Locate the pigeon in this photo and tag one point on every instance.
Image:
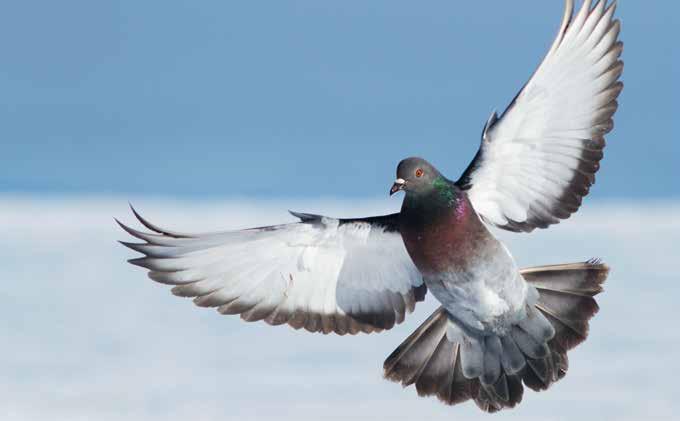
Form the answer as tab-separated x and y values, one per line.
499	328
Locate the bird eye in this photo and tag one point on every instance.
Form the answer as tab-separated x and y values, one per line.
419	172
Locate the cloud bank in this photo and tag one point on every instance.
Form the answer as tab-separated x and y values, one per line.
87	336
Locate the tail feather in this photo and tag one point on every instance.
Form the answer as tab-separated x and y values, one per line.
436	373
435	370
566	297
533	354
415	352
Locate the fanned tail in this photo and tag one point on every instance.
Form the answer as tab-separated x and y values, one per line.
491	370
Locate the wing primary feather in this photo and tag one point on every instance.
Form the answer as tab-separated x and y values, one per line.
156	228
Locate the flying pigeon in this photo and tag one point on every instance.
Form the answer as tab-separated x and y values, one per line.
499	328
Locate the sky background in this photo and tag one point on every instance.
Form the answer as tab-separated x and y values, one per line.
298	98
87	336
221	115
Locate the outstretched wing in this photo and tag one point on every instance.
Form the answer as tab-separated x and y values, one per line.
322	274
538	160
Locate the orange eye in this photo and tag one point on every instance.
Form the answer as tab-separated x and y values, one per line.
419	172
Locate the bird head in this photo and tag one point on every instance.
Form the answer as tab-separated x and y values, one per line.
414	175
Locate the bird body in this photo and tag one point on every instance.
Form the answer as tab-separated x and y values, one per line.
464	266
485	299
499	328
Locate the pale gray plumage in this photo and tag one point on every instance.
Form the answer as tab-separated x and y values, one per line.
538	160
312	275
524	360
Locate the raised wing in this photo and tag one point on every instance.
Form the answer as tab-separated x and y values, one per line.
538	160
322	274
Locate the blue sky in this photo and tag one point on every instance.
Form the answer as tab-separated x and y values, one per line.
298	98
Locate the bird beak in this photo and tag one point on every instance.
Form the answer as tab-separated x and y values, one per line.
398	185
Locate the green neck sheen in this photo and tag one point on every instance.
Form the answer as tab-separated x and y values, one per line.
442	194
444	190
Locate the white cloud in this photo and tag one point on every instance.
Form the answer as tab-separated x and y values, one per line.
88	337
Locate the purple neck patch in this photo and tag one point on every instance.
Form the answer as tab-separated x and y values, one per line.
461	208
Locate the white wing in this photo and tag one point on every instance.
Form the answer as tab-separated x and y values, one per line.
538	161
321	274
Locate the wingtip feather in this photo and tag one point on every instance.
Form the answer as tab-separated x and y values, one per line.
156	228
